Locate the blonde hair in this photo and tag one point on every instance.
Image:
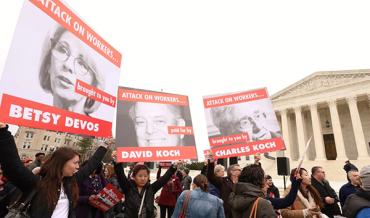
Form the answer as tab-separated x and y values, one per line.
219	168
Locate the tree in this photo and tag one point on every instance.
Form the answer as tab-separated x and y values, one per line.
85	145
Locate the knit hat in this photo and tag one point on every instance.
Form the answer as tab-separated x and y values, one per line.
365	177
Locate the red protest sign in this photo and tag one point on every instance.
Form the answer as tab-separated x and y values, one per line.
107	198
242	123
153	126
69	71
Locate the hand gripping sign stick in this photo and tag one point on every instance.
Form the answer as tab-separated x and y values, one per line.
303	155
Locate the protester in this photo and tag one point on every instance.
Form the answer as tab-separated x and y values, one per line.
169	194
57	186
351	187
224	184
8	194
272	191
308	203
38	160
327	193
247	197
198	202
358	205
110	175
280	203
219	171
348	166
89	189
186	179
139	192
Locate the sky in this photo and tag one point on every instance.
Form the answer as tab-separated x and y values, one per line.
205	47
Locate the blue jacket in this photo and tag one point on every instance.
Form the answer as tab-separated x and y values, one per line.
201	205
345	191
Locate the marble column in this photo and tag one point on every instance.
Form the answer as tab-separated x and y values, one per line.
337	129
357	128
301	131
286	132
317	133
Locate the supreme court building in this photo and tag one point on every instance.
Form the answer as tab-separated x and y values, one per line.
332	107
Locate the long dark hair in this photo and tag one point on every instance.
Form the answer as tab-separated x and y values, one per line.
52	176
314	193
201	181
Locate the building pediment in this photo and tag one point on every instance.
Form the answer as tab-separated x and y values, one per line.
322	81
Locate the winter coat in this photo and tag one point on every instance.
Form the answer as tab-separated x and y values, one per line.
243	197
186	182
8	195
273	192
355	203
170	192
296	209
201	205
26	181
325	190
132	195
90	186
346	190
280	203
224	184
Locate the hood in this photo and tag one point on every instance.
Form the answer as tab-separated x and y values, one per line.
244	195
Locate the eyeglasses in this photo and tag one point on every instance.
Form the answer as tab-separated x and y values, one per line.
157	122
62	53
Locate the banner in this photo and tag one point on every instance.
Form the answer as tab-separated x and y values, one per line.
153	126
59	75
107	198
242	123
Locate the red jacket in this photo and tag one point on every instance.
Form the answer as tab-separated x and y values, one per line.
170	192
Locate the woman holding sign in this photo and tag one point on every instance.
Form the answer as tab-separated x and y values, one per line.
55	192
308	201
66	61
139	192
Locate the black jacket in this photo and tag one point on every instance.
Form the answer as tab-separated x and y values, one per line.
224	184
243	197
132	195
325	190
355	202
273	192
26	181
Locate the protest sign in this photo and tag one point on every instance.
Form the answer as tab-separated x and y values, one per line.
153	126
59	75
107	198
242	123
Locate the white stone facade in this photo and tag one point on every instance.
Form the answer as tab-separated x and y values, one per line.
334	108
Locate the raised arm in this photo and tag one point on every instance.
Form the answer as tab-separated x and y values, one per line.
159	172
212	178
280	203
164	179
123	182
91	165
12	165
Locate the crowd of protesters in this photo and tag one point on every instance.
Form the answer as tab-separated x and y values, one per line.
61	188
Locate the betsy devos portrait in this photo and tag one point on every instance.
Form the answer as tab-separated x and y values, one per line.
60	75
